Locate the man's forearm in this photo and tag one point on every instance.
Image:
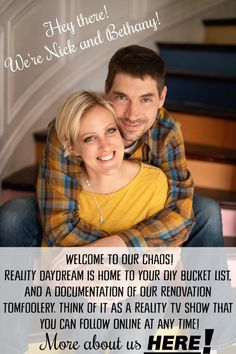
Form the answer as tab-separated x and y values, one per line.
109	241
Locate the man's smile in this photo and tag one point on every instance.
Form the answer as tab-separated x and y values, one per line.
127	124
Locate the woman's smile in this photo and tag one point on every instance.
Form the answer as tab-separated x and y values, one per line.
107	157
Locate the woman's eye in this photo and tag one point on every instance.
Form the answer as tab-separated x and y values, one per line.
89	139
110	131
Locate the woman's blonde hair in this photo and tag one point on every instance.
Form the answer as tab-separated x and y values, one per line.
71	112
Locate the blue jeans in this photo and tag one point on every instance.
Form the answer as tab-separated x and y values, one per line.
20	227
19	223
207	231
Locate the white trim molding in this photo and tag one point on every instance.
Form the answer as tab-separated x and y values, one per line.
5	6
28	121
138	9
15	107
2	82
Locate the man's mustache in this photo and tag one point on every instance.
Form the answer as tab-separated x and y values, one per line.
132	122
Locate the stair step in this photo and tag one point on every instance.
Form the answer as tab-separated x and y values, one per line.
206	93
22	180
229	241
40	136
215	59
207	130
220	31
200	77
213	175
210	153
219	22
40	139
199	109
226	199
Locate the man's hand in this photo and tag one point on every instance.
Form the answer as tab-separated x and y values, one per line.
110	241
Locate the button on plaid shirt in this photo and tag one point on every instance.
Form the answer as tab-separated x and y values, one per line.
58	189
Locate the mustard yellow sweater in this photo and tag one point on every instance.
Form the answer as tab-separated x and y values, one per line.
143	197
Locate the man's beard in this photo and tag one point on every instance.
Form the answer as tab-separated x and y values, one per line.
129	136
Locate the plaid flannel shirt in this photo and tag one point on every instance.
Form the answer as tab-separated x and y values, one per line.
58	189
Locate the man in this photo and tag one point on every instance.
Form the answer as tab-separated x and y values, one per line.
135	86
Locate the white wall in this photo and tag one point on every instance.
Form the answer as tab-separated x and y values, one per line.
29	98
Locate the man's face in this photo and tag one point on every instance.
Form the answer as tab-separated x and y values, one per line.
136	103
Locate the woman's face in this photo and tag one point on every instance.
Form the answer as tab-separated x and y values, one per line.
99	142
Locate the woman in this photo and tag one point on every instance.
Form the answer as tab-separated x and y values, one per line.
116	193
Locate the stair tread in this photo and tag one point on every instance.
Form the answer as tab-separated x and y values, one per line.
200	109
40	136
210	153
213	59
199	74
203	92
229	241
24	179
198	46
219	22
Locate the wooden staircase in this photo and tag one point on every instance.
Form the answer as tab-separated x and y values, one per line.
201	80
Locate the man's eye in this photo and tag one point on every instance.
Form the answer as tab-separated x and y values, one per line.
146	99
89	139
120	98
111	131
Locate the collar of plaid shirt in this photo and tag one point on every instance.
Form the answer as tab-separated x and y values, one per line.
142	151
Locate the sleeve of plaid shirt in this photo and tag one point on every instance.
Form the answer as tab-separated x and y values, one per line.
57	193
172	225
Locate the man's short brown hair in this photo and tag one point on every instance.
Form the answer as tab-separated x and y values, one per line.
138	62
